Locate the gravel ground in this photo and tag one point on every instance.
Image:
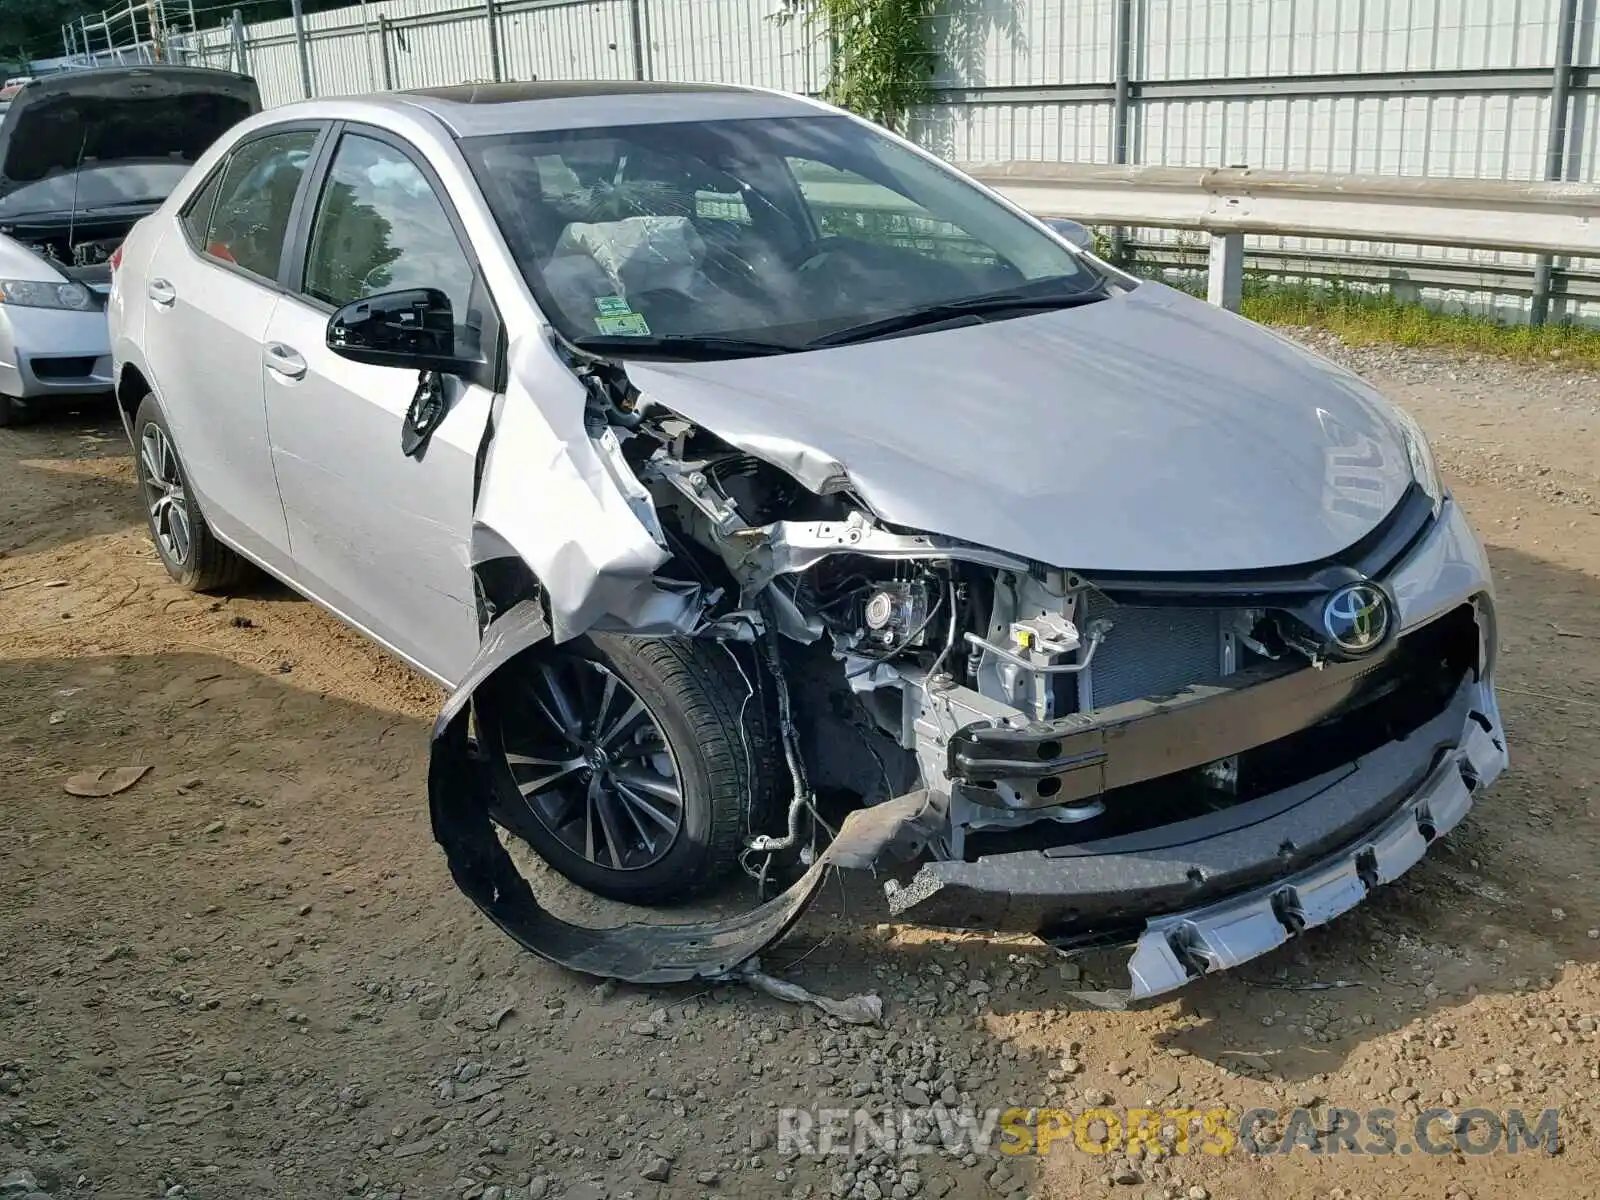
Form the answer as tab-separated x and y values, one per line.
250	975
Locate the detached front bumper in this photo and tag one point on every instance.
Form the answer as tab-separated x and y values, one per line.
1175	949
1210	893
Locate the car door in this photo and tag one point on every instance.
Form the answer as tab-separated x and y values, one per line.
209	297
377	535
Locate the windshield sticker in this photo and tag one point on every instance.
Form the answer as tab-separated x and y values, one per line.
623	325
612	306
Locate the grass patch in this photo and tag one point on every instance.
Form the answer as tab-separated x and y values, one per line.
1364	318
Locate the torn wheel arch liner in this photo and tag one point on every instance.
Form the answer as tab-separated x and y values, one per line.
459	788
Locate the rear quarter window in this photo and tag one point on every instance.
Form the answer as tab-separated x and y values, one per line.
195	216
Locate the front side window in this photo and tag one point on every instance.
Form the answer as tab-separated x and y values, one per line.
379	227
255	198
782	231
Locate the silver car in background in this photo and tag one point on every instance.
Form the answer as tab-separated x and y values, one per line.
83	156
774	498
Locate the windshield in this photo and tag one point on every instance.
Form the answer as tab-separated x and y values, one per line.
120	186
776	231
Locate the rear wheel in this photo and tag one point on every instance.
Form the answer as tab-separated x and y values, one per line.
183	540
10	412
634	767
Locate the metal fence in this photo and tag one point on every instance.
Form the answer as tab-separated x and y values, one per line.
1435	88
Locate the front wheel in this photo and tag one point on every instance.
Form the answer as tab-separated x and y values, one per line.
635	767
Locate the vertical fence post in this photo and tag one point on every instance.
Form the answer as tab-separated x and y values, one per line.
636	31
240	55
1225	279
1121	102
1555	153
366	47
383	52
300	45
491	13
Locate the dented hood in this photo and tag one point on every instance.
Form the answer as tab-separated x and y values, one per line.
1149	432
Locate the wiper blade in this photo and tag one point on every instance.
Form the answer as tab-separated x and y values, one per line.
935	314
691	348
64	216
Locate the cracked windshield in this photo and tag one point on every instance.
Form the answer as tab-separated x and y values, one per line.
760	235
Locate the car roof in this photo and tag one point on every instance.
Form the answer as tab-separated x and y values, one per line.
475	109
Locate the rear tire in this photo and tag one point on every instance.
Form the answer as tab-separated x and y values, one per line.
714	751
183	540
10	413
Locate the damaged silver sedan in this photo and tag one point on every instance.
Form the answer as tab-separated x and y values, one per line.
775	500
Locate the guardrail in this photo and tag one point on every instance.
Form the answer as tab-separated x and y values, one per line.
1230	202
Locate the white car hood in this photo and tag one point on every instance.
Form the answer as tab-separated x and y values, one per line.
1146	433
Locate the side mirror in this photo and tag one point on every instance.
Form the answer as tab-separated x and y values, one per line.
413	329
1072	231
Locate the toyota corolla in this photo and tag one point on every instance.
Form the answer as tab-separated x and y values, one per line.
775	499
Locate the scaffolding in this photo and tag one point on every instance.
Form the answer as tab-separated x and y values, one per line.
141	31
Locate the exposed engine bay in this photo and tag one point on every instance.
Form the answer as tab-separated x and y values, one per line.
896	639
79	251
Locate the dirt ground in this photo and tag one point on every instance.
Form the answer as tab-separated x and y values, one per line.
250	975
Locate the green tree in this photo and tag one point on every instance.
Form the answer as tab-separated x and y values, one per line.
31	29
882	56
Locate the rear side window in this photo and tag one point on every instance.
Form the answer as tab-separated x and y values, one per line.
254	198
196	216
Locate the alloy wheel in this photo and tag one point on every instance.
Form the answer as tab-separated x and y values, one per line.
593	765
164	493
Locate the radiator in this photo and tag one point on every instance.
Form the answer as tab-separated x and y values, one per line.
1152	651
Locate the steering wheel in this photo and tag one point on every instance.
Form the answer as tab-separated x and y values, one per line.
733	270
814	261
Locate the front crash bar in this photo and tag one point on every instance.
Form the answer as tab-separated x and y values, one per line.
458	803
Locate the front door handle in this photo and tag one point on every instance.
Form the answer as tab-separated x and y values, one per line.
161	292
285	360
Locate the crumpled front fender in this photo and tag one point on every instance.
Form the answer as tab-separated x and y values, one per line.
565	504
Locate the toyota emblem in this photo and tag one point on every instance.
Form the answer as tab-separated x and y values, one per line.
1357	618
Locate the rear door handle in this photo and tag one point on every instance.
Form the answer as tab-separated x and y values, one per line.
285	360
161	292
